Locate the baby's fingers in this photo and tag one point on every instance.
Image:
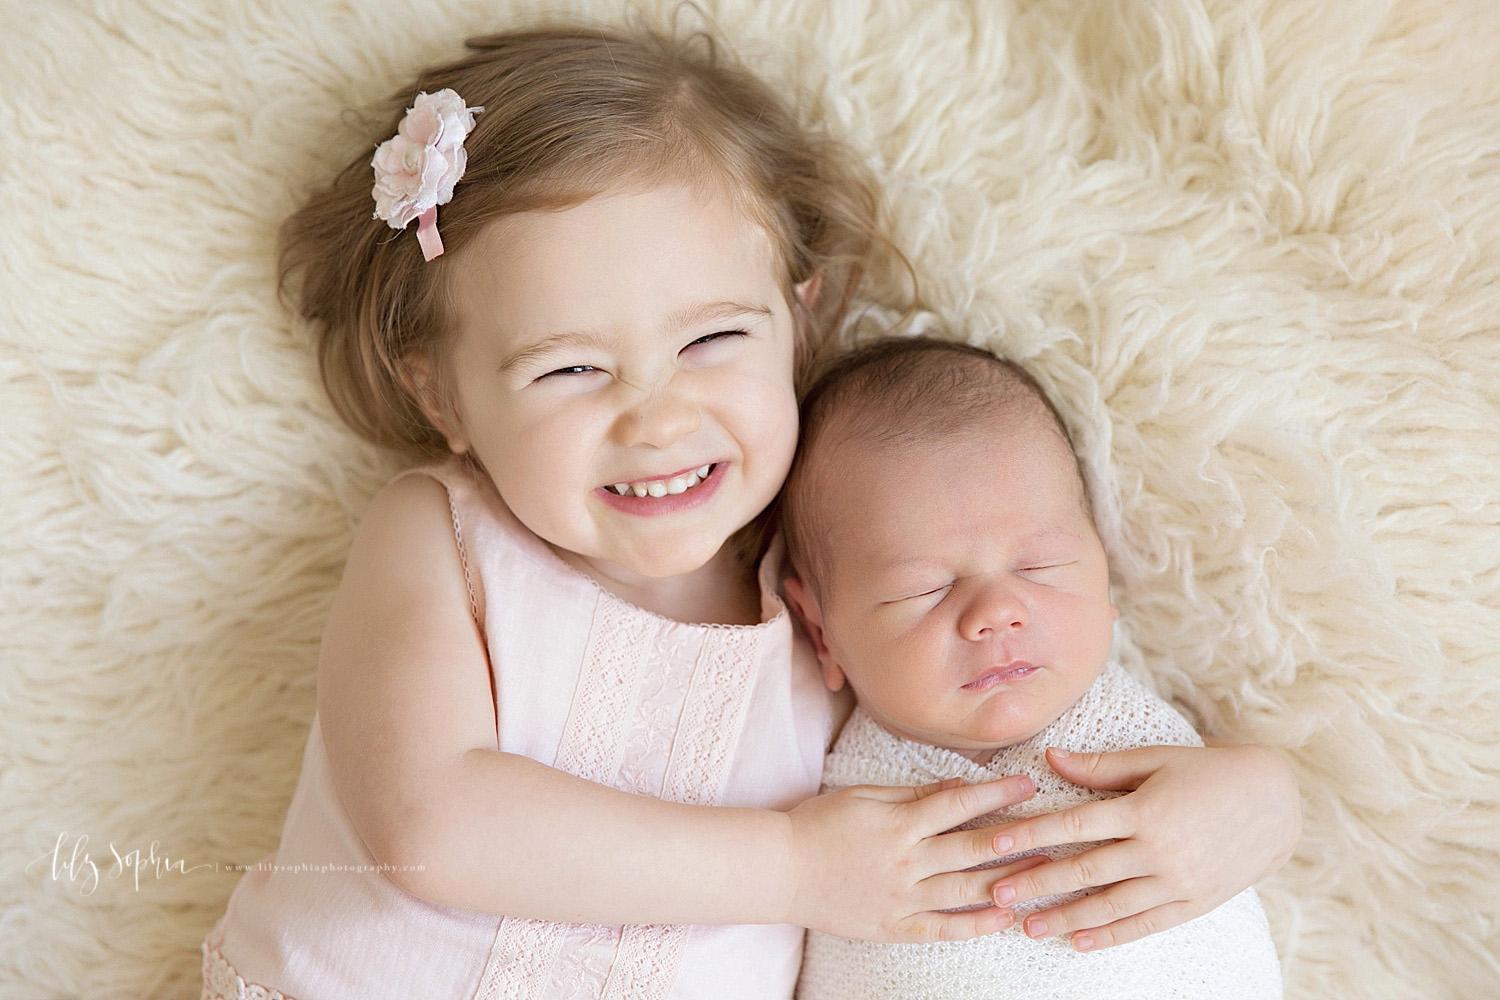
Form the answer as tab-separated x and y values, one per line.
1113	905
1134	928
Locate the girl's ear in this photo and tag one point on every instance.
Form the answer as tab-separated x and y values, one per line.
806	605
417	377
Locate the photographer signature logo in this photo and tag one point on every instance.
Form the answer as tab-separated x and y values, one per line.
79	867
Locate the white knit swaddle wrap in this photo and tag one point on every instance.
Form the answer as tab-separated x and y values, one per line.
1224	954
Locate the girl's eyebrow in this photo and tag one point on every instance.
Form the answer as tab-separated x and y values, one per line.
705	312
689	315
570	338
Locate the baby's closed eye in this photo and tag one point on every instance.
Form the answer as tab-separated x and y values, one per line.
1042	567
911	593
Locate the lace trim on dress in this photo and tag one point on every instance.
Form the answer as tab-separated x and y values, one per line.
640	723
717	704
222	982
463	557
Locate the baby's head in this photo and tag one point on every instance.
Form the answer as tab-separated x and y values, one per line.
645	243
947	562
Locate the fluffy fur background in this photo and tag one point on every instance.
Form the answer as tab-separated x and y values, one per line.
1254	248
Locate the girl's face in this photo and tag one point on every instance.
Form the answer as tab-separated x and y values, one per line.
623	370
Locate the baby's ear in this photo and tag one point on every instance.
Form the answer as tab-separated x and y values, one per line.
806	606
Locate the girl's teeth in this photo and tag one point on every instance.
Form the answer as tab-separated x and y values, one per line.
665	487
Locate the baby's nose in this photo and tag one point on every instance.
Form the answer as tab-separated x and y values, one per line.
995	609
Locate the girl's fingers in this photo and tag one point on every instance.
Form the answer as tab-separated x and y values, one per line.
1104	819
1116	770
958	850
1096	867
1109	906
950	890
943	810
925	927
923	791
1156	919
904	793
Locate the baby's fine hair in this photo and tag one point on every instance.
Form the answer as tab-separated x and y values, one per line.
570	111
900	391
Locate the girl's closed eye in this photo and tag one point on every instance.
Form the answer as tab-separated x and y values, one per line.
570	370
707	348
566	381
714	346
709	338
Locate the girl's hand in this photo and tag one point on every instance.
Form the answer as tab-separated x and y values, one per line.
874	862
1203	824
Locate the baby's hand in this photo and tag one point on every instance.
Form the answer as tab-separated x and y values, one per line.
873	862
1202	825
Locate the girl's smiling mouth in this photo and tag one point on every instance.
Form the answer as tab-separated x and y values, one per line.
677	482
681	490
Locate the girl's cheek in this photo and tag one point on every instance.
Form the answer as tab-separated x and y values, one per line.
773	411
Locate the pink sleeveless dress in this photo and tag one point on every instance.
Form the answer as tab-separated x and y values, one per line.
585	682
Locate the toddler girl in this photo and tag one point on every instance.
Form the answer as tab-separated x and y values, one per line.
566	736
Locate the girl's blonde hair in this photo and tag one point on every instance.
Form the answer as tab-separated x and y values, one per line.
570	111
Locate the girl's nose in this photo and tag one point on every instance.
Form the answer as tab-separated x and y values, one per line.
659	420
995	611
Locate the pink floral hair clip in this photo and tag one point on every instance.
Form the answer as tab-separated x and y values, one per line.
416	169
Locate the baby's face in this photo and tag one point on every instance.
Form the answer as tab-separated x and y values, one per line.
967	602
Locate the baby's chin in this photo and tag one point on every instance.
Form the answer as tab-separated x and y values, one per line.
985	752
1001	719
978	741
980	748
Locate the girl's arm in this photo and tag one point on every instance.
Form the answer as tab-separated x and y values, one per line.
404	705
1202	825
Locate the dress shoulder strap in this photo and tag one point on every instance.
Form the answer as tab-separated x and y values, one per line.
465	508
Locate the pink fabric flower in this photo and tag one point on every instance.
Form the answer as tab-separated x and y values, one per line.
416	169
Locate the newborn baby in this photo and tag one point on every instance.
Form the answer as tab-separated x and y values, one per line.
949	570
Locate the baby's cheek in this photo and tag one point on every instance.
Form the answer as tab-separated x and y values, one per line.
921	688
1089	628
875	678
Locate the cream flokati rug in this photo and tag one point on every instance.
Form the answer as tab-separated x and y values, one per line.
1253	248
